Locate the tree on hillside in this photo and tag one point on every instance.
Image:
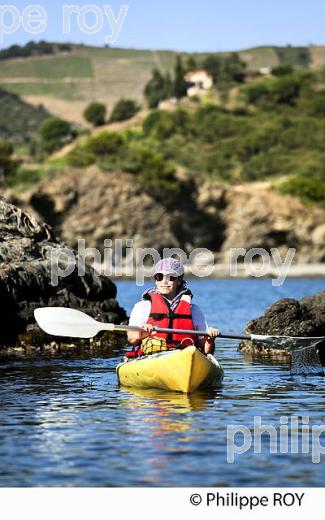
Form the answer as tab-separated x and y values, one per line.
180	87
54	133
30	49
95	113
285	90
124	109
168	85
282	70
234	68
19	121
7	165
158	88
257	93
225	69
213	66
191	63
313	102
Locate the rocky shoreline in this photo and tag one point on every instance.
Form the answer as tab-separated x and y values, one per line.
26	250
288	317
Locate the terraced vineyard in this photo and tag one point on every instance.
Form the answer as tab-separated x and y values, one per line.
65	83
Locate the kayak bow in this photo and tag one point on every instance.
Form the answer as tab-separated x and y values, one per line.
183	370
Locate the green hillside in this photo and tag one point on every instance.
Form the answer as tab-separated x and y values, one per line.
19	122
260	57
274	134
85	73
268	129
50	68
107	74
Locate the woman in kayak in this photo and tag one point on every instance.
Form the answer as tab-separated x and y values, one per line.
168	305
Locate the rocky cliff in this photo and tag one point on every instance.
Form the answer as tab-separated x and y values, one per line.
94	205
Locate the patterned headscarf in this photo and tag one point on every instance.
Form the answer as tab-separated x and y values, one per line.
169	266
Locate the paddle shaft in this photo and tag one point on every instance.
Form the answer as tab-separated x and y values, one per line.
179	331
199	333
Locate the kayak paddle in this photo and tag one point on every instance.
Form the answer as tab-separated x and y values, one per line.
61	321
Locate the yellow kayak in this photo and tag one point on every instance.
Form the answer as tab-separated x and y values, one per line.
183	370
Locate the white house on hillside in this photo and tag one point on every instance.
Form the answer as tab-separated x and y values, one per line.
265	71
198	81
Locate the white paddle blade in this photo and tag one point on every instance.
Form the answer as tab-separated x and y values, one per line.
60	321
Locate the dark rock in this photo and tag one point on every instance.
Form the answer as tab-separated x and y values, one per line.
288	317
26	246
315	305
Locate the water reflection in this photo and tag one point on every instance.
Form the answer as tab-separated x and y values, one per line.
169	402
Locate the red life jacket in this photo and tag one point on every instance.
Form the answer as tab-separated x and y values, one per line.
181	318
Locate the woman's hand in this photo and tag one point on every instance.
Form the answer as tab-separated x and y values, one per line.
148	330
209	340
213	333
135	337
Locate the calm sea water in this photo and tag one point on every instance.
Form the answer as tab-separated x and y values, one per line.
67	423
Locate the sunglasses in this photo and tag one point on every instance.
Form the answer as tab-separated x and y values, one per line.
159	277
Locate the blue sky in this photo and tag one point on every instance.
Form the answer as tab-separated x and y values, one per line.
204	25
